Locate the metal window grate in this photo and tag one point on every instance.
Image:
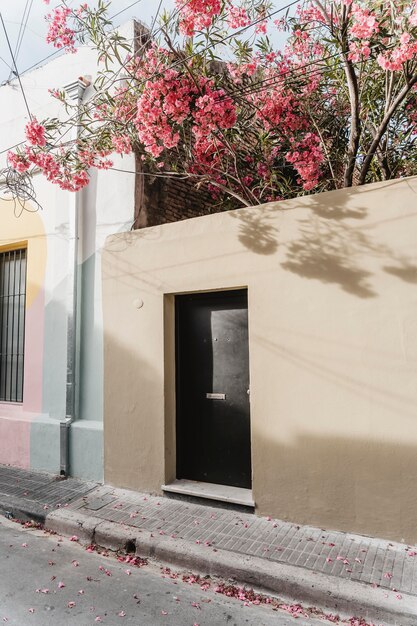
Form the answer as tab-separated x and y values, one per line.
12	324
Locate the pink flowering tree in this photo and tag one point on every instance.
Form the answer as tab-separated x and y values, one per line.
208	95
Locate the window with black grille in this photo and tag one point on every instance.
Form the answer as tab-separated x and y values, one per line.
12	323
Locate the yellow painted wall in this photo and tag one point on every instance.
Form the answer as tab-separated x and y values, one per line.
23	227
332	287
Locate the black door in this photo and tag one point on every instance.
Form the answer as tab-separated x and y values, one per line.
212	361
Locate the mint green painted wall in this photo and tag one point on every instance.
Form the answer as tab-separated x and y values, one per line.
86	450
54	377
44	444
44	430
86	432
91	343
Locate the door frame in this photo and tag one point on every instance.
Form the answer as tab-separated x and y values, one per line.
170	376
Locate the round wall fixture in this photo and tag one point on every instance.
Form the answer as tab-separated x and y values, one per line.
138	303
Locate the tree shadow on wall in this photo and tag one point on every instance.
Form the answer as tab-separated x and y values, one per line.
328	252
257	231
331	242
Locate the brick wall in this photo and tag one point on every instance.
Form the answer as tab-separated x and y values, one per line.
159	200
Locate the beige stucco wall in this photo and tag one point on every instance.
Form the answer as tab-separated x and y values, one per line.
332	287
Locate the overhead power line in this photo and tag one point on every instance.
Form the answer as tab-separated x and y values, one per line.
22	31
20	28
15	66
61	50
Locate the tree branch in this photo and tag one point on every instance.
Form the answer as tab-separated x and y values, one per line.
383	127
353	87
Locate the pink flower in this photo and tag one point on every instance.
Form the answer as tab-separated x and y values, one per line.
197	14
60	35
238	17
18	162
122	145
364	23
261	28
35	133
306	158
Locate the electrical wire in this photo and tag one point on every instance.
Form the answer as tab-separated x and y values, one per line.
15	66
19	42
20	27
9	66
61	50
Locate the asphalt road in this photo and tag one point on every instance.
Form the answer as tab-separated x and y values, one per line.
45	581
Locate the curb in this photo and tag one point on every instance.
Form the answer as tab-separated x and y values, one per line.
24	510
291	583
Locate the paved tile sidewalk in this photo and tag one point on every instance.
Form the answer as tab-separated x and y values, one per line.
391	566
45	490
388	565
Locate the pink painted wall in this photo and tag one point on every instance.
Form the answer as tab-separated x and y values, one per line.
15	441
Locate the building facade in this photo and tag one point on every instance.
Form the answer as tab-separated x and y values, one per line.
51	396
310	306
265	357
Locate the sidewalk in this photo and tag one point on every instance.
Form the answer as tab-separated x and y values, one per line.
335	571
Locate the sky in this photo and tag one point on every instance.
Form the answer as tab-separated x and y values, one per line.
33	46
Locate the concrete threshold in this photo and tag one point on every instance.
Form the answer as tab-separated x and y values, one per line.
210	491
